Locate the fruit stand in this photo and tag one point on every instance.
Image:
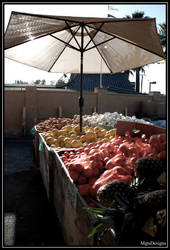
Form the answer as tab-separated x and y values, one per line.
72	180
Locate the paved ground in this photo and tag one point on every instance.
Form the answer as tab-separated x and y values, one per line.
29	220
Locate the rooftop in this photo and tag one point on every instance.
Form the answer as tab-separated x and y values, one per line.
115	82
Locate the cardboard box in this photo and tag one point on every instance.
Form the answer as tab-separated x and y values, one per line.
137	129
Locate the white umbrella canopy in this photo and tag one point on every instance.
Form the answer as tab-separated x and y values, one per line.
82	45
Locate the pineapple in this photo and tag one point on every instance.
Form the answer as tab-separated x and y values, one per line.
148	172
133	220
148	168
148	206
161	218
106	194
139	215
130	210
151	202
149	227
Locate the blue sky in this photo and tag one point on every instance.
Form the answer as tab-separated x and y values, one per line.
15	71
157	11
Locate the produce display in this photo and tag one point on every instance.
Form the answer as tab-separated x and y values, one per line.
135	216
121	178
54	123
133	203
107	120
97	164
71	137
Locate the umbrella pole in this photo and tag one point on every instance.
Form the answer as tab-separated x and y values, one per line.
81	100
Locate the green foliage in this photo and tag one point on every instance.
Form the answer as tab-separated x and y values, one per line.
137	14
163	35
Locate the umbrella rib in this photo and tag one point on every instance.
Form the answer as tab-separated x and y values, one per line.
115	36
100	54
67	44
73	34
48	33
91	38
62	50
96	45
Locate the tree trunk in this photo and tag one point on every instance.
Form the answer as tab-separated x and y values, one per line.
137	79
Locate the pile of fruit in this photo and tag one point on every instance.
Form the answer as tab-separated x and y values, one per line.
54	123
107	119
124	185
96	164
71	137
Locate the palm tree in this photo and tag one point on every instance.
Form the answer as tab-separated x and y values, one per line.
137	14
162	35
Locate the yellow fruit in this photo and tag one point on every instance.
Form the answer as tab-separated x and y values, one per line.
45	135
57	144
61	144
90	136
83	138
67	140
107	134
112	132
73	136
76	144
86	128
61	138
54	133
53	146
101	133
62	132
76	128
67	145
90	130
67	128
96	129
50	140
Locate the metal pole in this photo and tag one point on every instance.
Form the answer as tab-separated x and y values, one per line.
101	81
101	73
137	79
81	100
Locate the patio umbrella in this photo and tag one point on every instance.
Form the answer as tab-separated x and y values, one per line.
81	45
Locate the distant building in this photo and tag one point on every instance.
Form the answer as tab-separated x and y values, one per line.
113	82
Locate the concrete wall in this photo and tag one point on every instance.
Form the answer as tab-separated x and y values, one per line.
23	109
14	101
48	102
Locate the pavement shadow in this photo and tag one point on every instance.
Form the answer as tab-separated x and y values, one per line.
24	196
